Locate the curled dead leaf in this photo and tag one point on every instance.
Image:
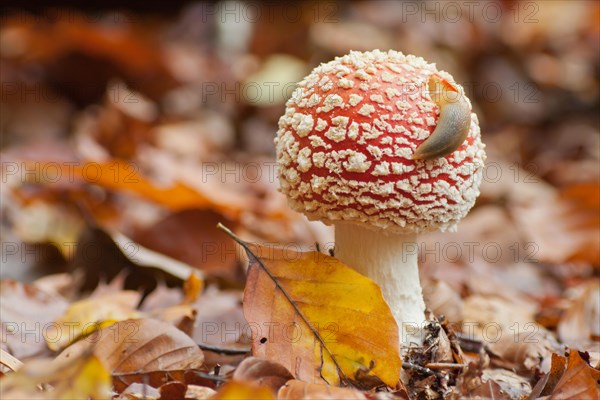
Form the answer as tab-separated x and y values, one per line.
526	351
263	372
133	348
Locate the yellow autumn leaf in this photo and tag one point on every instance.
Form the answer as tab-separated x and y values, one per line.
238	390
318	317
84	377
87	316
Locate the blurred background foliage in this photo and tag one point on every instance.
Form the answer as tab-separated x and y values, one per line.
176	104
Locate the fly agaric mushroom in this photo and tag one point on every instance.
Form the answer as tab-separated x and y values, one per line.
383	146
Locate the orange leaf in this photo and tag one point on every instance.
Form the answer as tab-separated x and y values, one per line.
119	175
243	391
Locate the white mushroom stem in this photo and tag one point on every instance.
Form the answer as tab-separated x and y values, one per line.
391	261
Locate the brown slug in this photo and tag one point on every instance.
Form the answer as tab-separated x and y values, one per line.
453	123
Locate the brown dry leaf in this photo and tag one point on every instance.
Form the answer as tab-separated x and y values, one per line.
442	299
192	237
137	391
491	317
471	383
136	347
195	392
512	384
183	315
319	318
173	390
581	321
115	255
548	382
298	390
25	311
580	381
563	227
219	311
84	317
77	378
263	372
220	323
243	391
528	350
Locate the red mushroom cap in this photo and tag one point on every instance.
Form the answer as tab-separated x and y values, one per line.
346	141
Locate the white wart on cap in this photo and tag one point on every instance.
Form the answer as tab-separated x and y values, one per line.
346	141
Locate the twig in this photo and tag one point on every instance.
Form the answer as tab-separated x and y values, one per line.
445	366
251	255
210	377
224	350
422	370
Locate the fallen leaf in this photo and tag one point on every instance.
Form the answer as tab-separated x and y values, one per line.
173	390
139	391
191	236
491	317
581	321
442	299
195	392
86	316
512	384
243	391
121	176
527	351
220	317
579	381
563	227
548	382
9	361
102	257
470	383
182	315
297	390
80	377
26	312
263	372
319	318
134	348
